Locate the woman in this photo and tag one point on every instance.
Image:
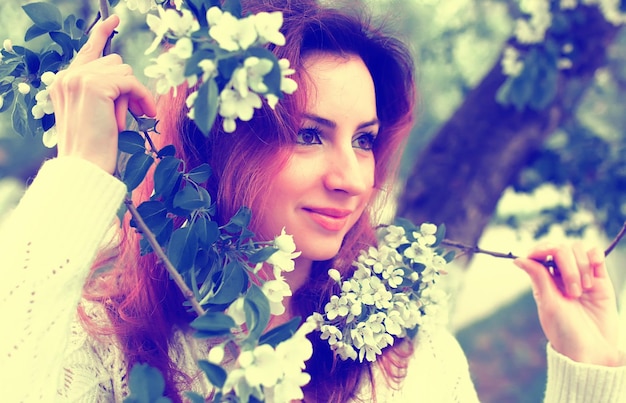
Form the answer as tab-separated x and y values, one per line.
314	166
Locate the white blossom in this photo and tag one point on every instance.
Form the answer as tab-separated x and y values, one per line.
533	29
143	6
282	259
216	354
331	333
511	64
50	137
287	85
334	274
236	311
178	23
268	27
43	105
8	45
1	101
169	67
229	32
568	4
23	88
276	291
233	106
337	306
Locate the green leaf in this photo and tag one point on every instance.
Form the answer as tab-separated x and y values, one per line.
239	221
257	309
167	151
233	7
154	215
131	142
188	198
182	249
214	322
19	118
205	106
8	66
449	256
280	333
65	42
9	97
200	174
195	397
146	385
51	61
33	32
32	61
262	255
167	176
136	169
191	66
440	234
215	373
233	281
45	15
147	124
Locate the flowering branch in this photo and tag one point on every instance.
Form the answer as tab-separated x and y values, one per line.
141	225
176	277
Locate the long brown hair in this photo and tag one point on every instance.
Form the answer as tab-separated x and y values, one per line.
145	308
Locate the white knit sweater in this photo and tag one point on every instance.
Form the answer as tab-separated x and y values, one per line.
49	242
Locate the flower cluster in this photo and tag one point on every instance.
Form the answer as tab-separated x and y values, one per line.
240	95
391	293
273	374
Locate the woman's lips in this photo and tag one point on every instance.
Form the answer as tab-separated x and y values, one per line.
330	219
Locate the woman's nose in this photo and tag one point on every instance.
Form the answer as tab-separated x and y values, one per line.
348	172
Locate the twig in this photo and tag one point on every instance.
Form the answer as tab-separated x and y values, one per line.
104	14
476	249
618	238
141	225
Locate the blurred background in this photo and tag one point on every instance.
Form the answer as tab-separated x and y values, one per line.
549	164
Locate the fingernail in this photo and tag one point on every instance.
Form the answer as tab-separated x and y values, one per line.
587	281
574	290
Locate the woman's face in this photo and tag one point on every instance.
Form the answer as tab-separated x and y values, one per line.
329	178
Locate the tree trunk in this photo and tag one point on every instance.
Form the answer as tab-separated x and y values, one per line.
459	176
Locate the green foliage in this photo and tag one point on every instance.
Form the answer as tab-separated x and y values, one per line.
146	385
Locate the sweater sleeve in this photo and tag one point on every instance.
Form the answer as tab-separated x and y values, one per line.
573	382
47	246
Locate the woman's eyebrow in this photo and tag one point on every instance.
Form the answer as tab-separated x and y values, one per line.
329	123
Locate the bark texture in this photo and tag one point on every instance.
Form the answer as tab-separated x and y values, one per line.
459	177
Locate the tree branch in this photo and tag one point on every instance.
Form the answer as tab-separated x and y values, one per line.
104	14
509	255
145	231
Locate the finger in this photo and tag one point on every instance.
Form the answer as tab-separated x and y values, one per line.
92	49
597	263
584	268
542	282
121	108
568	267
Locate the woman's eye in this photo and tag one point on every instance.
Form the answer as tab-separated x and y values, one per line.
364	141
309	136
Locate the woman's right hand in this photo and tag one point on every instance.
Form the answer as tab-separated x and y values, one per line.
91	99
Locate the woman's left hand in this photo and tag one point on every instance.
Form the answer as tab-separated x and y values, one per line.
577	305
